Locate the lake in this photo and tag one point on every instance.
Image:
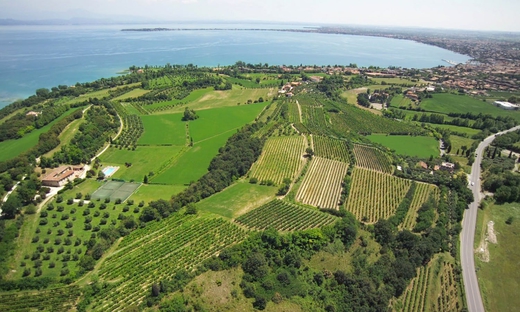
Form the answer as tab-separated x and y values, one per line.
33	57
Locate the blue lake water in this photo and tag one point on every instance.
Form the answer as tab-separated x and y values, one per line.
33	57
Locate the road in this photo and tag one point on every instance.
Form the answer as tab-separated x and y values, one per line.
467	238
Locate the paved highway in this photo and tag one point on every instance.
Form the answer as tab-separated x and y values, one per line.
467	237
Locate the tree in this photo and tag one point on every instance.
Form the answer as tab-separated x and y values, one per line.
145	179
309	152
191	209
189	114
12	206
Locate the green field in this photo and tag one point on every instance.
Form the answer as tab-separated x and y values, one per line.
193	96
457	142
500	278
149	192
66	135
207	99
450	103
420	146
194	163
163	130
216	121
144	159
468	131
237	199
132	94
400	100
13	148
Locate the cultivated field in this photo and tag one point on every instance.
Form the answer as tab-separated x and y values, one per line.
421	194
322	184
163	130
331	148
420	146
237	199
12	148
282	157
371	158
374	195
132	94
156	253
212	122
451	103
57	299
284	216
435	288
500	277
192	163
143	160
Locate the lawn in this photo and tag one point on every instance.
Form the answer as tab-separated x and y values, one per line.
396	81
214	99
468	131
237	199
66	135
194	163
457	142
130	109
216	121
144	159
500	278
400	100
451	103
13	148
163	130
193	96
420	146
132	94
149	192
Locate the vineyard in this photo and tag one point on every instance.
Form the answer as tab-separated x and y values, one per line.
284	216
374	195
435	288
58	299
281	158
331	148
371	158
422	193
157	252
294	113
321	186
132	131
416	295
353	119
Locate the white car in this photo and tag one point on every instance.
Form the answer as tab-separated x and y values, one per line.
472	183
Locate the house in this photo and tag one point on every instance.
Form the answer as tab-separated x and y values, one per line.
61	175
423	165
447	166
315	78
33	113
505	105
436	167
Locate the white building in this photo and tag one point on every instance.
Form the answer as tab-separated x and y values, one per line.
505	105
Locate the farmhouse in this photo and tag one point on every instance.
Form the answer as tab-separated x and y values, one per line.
447	166
61	175
33	113
505	105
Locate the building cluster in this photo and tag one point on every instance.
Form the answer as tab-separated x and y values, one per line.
62	175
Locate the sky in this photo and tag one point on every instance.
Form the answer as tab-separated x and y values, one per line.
445	14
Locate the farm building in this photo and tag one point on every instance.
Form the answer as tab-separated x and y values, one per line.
447	166
505	105
61	175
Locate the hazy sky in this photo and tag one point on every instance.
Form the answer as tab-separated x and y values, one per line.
454	14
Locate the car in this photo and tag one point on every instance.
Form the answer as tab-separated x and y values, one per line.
472	183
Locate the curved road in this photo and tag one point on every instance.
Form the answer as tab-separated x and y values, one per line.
467	237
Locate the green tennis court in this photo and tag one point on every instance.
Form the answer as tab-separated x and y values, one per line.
115	190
